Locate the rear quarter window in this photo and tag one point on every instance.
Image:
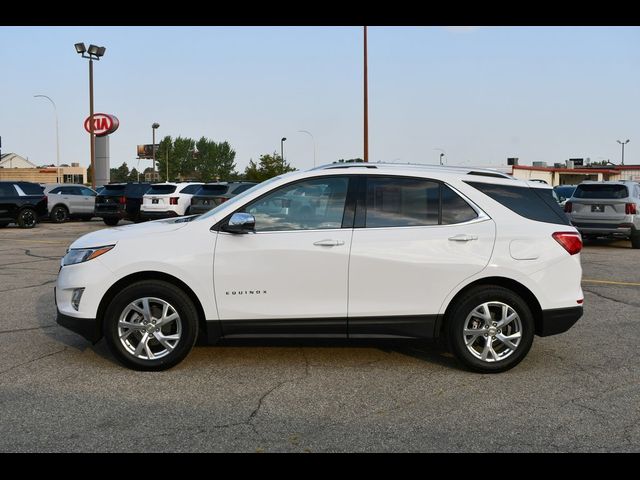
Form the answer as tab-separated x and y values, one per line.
533	203
31	188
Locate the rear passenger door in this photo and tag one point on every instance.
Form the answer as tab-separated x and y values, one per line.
88	200
414	240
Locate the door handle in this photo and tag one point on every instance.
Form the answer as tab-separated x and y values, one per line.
463	237
328	243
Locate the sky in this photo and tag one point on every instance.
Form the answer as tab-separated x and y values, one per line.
477	94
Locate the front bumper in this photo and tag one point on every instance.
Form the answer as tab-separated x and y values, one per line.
558	320
88	328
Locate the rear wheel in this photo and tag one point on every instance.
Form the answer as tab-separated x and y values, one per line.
635	239
490	329
151	325
59	214
27	218
111	221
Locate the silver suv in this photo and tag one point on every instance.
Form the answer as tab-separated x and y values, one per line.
606	208
70	200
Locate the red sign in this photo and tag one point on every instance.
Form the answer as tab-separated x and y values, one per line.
103	124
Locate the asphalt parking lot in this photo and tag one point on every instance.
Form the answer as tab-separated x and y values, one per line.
575	392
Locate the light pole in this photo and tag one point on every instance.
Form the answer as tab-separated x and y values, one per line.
623	144
55	110
282	140
153	145
93	53
314	145
366	101
441	154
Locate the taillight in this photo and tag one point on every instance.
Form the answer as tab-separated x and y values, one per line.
122	200
630	208
173	200
568	207
223	199
570	241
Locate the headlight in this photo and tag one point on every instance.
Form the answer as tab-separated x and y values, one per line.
79	255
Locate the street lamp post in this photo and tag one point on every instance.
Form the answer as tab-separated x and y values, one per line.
153	144
92	53
282	140
55	110
366	100
442	154
314	145
623	144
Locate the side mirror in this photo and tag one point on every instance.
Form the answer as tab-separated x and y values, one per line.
240	223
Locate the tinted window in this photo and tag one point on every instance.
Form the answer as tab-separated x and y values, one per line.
161	190
191	189
454	208
113	190
603	191
87	192
565	191
56	190
533	203
70	191
31	188
137	189
213	190
242	188
307	205
401	202
7	190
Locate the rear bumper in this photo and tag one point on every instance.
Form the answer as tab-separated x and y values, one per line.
158	214
88	328
604	228
110	211
558	320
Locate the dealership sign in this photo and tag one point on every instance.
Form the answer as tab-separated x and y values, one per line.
103	124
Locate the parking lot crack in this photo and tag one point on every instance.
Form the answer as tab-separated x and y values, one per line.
26	329
29	254
33	360
630	304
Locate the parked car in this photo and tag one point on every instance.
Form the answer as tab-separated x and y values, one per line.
23	203
211	195
70	201
121	201
606	209
564	192
165	200
387	251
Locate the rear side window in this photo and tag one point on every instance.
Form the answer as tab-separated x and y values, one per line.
31	188
190	189
7	190
56	190
601	191
533	203
161	190
411	202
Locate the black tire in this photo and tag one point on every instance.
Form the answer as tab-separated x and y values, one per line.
111	221
59	214
179	301
463	308
635	240
27	218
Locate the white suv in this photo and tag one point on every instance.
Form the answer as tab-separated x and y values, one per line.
362	251
164	200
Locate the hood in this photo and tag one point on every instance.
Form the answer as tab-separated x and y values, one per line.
110	236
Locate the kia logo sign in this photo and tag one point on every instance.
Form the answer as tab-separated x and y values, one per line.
103	124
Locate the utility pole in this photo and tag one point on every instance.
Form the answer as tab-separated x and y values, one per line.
366	101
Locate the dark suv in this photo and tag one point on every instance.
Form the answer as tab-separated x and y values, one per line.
121	201
21	202
213	194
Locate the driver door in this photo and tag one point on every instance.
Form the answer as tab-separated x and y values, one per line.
291	275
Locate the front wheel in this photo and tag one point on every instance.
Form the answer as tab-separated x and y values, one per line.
490	329
111	221
59	214
151	325
27	218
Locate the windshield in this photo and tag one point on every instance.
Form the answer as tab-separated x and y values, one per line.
161	190
238	198
601	190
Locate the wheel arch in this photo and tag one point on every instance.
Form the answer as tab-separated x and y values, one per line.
150	275
508	283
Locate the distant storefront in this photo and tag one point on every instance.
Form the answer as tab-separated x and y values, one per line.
571	176
15	167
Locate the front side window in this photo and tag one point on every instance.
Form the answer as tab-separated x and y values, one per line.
307	205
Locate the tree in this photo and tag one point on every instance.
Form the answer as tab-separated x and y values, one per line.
133	175
268	167
350	160
120	174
